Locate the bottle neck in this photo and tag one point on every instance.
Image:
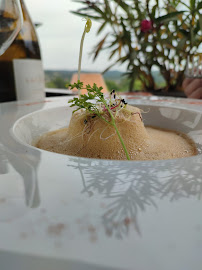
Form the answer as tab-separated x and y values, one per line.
28	30
26	16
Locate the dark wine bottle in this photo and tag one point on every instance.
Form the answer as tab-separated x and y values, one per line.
21	70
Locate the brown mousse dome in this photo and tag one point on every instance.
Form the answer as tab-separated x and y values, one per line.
90	136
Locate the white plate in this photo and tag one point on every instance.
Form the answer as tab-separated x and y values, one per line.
98	213
30	127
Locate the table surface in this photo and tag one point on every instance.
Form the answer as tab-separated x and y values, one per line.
59	212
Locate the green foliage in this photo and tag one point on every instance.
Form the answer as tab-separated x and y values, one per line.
57	82
112	85
123	85
85	101
175	33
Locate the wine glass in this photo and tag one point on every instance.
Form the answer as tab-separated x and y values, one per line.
11	20
194	66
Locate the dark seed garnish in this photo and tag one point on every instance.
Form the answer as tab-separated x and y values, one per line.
112	92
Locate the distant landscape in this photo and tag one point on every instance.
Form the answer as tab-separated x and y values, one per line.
113	79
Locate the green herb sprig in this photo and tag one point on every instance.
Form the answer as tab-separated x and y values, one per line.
87	28
95	103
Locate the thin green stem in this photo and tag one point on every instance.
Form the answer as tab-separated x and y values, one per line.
87	28
80	56
122	142
113	123
104	119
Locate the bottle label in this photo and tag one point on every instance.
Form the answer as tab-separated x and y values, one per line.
29	79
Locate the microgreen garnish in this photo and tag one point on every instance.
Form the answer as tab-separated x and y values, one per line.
86	30
95	103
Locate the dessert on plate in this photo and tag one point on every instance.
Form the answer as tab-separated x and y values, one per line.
91	134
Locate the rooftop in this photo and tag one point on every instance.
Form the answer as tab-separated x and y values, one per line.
90	78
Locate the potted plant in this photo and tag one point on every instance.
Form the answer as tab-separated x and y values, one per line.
152	37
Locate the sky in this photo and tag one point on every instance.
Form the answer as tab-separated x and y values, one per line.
60	35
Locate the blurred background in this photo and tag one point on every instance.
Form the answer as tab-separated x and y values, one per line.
175	27
59	32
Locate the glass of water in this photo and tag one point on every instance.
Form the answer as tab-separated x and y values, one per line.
11	20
